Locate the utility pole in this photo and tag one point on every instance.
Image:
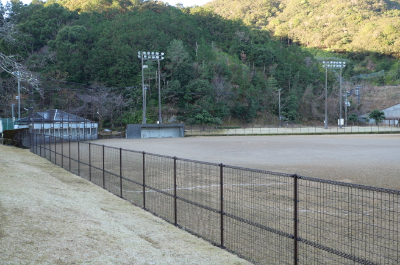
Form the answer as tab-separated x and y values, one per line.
340	103
159	93
144	96
326	96
280	119
18	75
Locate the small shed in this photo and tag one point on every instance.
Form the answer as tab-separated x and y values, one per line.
61	124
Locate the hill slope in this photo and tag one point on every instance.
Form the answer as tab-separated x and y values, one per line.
357	25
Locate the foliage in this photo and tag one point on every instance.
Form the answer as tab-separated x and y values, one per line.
353	118
223	64
377	115
358	26
204	118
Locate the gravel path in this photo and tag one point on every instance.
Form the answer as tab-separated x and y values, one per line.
365	159
50	216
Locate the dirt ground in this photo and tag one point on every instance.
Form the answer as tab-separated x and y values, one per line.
365	159
50	216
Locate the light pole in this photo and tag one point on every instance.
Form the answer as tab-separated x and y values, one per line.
18	75
279	107
152	56
333	65
346	104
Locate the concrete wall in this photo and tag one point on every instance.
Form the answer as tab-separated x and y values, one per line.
137	131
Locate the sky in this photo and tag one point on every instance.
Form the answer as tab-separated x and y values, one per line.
185	3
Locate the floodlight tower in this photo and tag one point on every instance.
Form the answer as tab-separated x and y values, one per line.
152	56
333	65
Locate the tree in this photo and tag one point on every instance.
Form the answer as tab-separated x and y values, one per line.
353	118
10	64
103	103
178	66
205	118
377	115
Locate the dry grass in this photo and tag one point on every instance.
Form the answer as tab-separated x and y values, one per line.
379	97
50	216
358	222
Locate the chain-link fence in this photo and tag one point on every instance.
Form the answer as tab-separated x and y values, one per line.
264	217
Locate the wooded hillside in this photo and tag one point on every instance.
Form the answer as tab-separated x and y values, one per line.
339	25
217	69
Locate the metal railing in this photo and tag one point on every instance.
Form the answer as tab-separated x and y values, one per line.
290	129
264	217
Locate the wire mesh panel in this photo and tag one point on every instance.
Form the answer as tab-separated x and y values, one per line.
259	215
198	192
112	170
50	147
159	181
97	161
84	155
56	152
132	176
60	149
73	165
342	223
46	150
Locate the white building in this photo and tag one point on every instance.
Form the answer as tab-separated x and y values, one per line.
61	124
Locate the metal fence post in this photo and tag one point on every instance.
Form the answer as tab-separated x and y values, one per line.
50	141
175	196
55	150
221	178
104	179
69	152
144	180
120	172
296	219
62	151
90	164
44	145
79	162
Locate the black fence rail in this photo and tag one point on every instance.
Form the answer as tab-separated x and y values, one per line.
264	217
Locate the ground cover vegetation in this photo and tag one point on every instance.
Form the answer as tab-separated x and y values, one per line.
220	67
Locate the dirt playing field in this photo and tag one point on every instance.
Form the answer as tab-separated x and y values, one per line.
50	216
371	160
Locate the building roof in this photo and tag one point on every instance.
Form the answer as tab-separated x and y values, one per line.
52	115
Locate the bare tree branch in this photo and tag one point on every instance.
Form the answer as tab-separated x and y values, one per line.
12	63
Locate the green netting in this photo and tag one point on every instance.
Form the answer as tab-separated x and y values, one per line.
369	76
8	123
